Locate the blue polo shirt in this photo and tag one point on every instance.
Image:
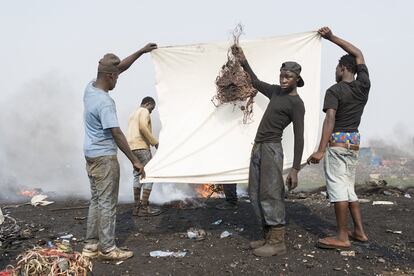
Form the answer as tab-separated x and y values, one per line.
99	117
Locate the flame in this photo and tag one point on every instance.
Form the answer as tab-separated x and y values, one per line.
207	190
29	193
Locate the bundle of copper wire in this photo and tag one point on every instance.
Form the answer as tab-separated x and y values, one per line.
51	261
233	83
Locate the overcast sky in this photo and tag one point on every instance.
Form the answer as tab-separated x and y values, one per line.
50	50
65	39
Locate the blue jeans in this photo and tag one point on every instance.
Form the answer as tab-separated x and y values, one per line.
103	173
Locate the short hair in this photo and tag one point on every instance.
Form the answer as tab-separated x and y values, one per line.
147	100
349	62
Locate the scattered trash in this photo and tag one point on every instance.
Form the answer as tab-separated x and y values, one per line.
387	193
1	217
79	218
177	254
118	263
406	195
234	265
297	246
348	253
393	231
382	202
381	260
196	234
40	200
324	193
364	200
310	255
337	268
69	236
65	242
225	234
217	222
239	229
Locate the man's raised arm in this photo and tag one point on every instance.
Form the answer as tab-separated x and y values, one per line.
326	33
128	61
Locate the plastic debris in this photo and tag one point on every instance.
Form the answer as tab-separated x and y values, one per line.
159	253
196	234
68	236
382	202
393	231
406	195
40	200
364	200
324	193
118	263
1	217
217	222
381	260
225	234
348	253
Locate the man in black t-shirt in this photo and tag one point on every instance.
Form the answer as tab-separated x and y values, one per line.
266	186
339	145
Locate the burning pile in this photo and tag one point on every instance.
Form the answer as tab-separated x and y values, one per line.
233	83
209	190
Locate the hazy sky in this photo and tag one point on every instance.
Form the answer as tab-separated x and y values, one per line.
68	38
61	42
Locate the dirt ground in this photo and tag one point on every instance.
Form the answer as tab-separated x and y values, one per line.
310	217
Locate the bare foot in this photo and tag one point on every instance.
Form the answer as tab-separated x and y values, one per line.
358	236
333	243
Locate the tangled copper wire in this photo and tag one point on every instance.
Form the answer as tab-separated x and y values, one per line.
234	84
51	262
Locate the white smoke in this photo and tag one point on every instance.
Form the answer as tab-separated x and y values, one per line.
41	144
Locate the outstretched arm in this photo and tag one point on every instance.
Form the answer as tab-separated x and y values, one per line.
128	61
327	129
326	33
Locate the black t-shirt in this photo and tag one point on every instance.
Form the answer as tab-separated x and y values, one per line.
349	100
280	112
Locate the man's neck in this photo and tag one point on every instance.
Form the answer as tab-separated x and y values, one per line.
101	85
348	77
294	92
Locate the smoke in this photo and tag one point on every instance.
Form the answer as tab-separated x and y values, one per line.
41	144
42	138
398	143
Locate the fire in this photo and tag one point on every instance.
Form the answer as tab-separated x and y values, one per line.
29	193
208	190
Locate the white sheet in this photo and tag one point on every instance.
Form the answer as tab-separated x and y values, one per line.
200	143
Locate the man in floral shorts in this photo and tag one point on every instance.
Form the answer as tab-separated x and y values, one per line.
344	105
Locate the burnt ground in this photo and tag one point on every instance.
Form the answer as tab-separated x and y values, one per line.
309	217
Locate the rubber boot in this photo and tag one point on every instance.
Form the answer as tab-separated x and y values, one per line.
145	210
259	243
137	196
275	245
